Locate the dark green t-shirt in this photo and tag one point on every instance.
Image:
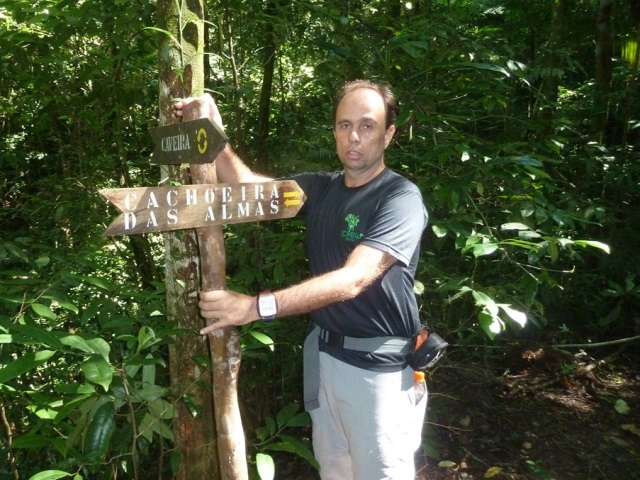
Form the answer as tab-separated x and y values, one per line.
388	214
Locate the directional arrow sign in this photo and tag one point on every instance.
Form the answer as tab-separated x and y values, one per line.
197	141
160	209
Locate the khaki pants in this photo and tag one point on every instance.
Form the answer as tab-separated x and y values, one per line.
368	425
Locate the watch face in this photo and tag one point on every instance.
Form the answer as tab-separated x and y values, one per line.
267	306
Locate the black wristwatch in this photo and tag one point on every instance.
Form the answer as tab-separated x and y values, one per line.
267	306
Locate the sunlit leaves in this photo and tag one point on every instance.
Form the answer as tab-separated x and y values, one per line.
53	475
266	466
91	345
43	311
494	316
262	338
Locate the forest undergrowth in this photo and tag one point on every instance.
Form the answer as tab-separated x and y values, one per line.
536	412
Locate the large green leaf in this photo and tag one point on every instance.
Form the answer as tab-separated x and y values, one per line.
149	372
67	305
23	364
150	393
266	466
71	405
294	445
43	311
482	249
30	334
50	475
146	338
150	425
592	243
286	414
488	66
160	408
94	345
100	346
490	323
262	337
99	431
30	441
516	315
97	370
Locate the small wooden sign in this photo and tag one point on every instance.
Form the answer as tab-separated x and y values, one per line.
196	141
159	209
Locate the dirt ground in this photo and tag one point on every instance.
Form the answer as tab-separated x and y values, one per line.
535	412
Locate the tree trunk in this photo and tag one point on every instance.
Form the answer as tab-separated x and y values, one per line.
181	74
550	82
603	73
225	25
631	92
265	94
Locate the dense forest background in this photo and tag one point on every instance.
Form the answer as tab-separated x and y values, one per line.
520	122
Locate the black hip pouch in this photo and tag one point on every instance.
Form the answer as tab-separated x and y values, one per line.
428	348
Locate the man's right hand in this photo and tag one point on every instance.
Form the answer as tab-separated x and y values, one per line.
214	113
230	168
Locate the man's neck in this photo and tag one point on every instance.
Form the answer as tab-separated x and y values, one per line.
357	179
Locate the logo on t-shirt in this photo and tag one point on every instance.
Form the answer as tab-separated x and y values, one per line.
350	234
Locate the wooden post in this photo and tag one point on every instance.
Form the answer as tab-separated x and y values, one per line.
224	344
195	260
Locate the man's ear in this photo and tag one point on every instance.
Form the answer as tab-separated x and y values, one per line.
388	135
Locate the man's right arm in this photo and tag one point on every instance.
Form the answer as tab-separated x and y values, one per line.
229	167
365	265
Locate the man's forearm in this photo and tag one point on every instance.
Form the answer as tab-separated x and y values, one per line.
231	169
312	294
364	266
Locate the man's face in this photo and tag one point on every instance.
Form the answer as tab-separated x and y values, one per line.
361	136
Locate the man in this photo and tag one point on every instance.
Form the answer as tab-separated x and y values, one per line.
364	225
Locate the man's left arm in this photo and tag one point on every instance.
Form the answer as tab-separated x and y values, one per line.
364	266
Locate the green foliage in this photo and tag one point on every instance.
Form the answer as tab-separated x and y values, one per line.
78	360
273	436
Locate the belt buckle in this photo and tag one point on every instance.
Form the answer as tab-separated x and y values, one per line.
333	339
336	340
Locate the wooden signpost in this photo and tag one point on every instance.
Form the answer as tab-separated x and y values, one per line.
205	205
162	209
196	141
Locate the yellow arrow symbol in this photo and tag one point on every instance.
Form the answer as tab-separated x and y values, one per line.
294	201
202	147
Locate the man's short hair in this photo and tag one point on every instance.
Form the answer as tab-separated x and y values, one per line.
391	106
